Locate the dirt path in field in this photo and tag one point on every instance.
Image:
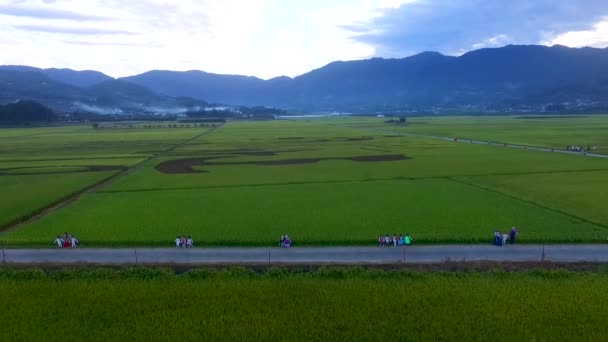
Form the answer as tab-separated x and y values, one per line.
68	200
311	255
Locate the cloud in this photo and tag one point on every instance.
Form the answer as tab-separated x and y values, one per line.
596	37
458	26
126	44
71	30
47	13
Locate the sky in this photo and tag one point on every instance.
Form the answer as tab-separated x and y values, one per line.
269	38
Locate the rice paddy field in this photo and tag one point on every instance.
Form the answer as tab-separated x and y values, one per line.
328	304
332	181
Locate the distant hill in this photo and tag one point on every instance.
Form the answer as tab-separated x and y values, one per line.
511	75
511	78
230	89
108	97
33	85
84	78
23	112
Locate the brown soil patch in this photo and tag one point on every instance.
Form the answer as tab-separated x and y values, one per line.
95	168
358	139
180	166
186	165
380	158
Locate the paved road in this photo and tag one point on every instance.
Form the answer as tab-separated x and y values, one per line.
493	143
309	255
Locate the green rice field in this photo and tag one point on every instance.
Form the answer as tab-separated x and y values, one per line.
332	181
327	304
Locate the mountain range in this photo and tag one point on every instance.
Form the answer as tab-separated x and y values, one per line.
514	76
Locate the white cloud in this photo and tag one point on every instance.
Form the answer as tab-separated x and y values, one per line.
496	41
597	37
264	38
450	26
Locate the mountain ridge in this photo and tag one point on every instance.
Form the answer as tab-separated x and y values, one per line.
513	76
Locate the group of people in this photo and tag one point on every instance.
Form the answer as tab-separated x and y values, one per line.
285	241
580	149
503	239
184	242
395	241
66	241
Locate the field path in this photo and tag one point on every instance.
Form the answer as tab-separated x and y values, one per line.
99	185
491	143
310	255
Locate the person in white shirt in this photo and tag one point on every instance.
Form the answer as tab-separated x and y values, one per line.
178	242
58	242
189	242
505	238
73	241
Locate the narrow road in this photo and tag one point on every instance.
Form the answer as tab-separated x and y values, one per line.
309	255
494	143
104	183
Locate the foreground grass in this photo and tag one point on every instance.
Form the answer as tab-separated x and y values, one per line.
329	304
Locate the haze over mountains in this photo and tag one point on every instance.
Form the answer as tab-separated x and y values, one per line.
520	78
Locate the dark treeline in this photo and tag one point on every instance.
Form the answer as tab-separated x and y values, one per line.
257	112
261	111
91	117
25	112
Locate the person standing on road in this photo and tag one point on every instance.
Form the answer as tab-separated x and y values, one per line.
58	242
73	241
189	242
497	239
380	241
512	235
408	239
178	241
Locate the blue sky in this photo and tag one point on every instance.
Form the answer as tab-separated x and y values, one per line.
268	38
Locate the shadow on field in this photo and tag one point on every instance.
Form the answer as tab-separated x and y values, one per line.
180	166
49	170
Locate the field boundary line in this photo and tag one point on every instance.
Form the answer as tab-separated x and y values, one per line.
55	205
397	178
93	188
478	186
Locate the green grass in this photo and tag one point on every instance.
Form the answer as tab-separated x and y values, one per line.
433	210
327	305
88	142
25	194
548	132
443	192
579	194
